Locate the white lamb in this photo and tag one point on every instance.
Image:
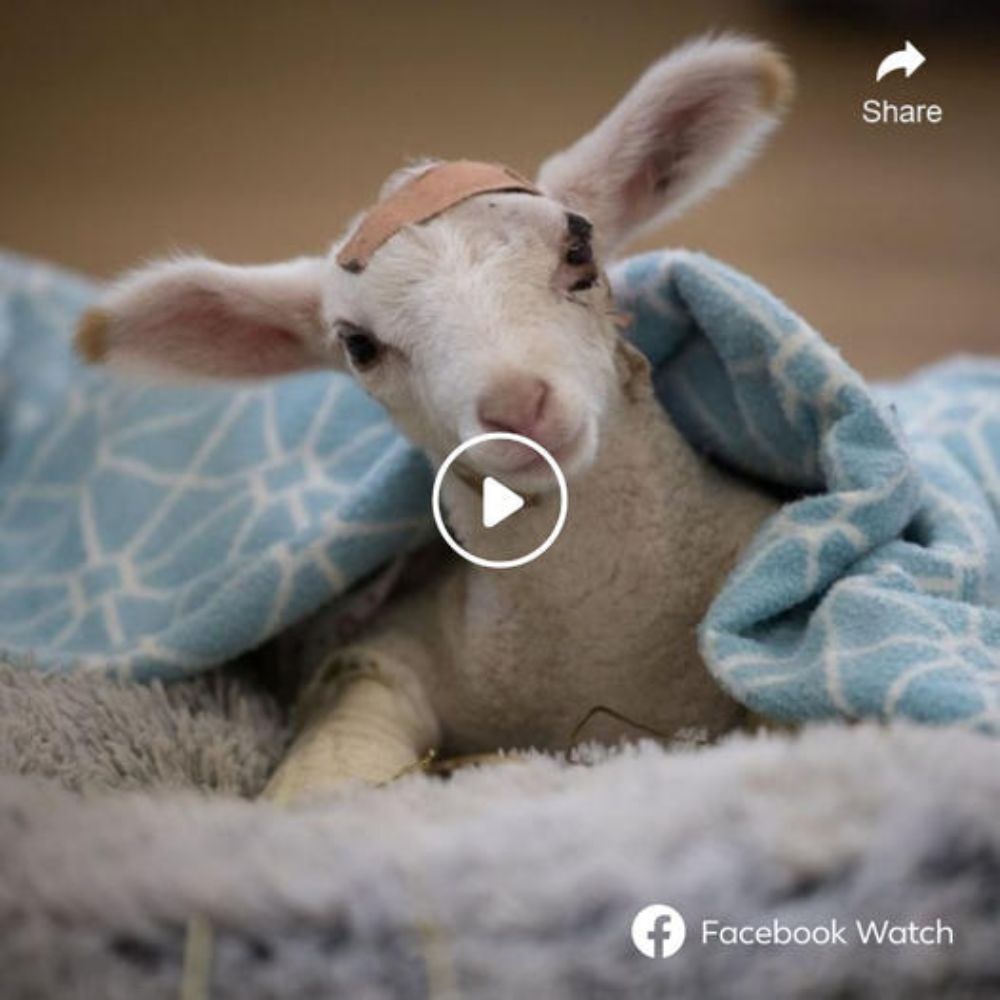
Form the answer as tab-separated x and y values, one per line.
494	314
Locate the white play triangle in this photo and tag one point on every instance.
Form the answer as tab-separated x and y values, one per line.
498	502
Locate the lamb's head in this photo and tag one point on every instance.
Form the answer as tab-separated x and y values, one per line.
491	314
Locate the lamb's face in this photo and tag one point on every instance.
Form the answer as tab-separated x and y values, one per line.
494	316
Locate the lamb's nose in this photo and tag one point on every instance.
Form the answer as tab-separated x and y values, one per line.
515	404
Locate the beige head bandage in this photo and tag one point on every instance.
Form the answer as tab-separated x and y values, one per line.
421	199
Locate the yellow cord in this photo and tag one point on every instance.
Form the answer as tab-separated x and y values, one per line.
197	972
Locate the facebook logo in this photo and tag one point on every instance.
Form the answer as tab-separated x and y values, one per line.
658	931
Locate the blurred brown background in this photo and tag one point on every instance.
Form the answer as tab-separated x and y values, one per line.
254	130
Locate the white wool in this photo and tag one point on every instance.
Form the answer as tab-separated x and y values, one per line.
479	320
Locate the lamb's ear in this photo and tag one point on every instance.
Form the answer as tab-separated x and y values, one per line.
198	318
690	122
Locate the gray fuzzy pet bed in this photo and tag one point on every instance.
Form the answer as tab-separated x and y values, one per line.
121	818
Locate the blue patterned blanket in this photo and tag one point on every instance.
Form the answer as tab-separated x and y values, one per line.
155	531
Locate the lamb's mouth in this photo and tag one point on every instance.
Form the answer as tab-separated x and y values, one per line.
520	464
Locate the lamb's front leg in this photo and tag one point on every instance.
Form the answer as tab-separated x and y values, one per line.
364	717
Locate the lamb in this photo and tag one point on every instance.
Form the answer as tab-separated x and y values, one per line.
490	311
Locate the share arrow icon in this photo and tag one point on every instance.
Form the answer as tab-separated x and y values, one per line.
909	59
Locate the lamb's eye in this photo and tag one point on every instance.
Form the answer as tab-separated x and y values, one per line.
361	346
586	281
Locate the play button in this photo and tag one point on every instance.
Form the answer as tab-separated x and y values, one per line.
490	525
498	502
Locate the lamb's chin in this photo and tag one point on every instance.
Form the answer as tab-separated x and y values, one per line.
534	475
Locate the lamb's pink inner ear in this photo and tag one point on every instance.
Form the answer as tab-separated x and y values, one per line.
687	126
204	335
670	147
201	319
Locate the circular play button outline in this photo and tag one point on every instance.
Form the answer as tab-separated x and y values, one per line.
471	556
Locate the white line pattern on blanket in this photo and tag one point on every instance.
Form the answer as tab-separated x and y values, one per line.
155	531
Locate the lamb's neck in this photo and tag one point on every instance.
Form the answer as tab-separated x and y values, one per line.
646	480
